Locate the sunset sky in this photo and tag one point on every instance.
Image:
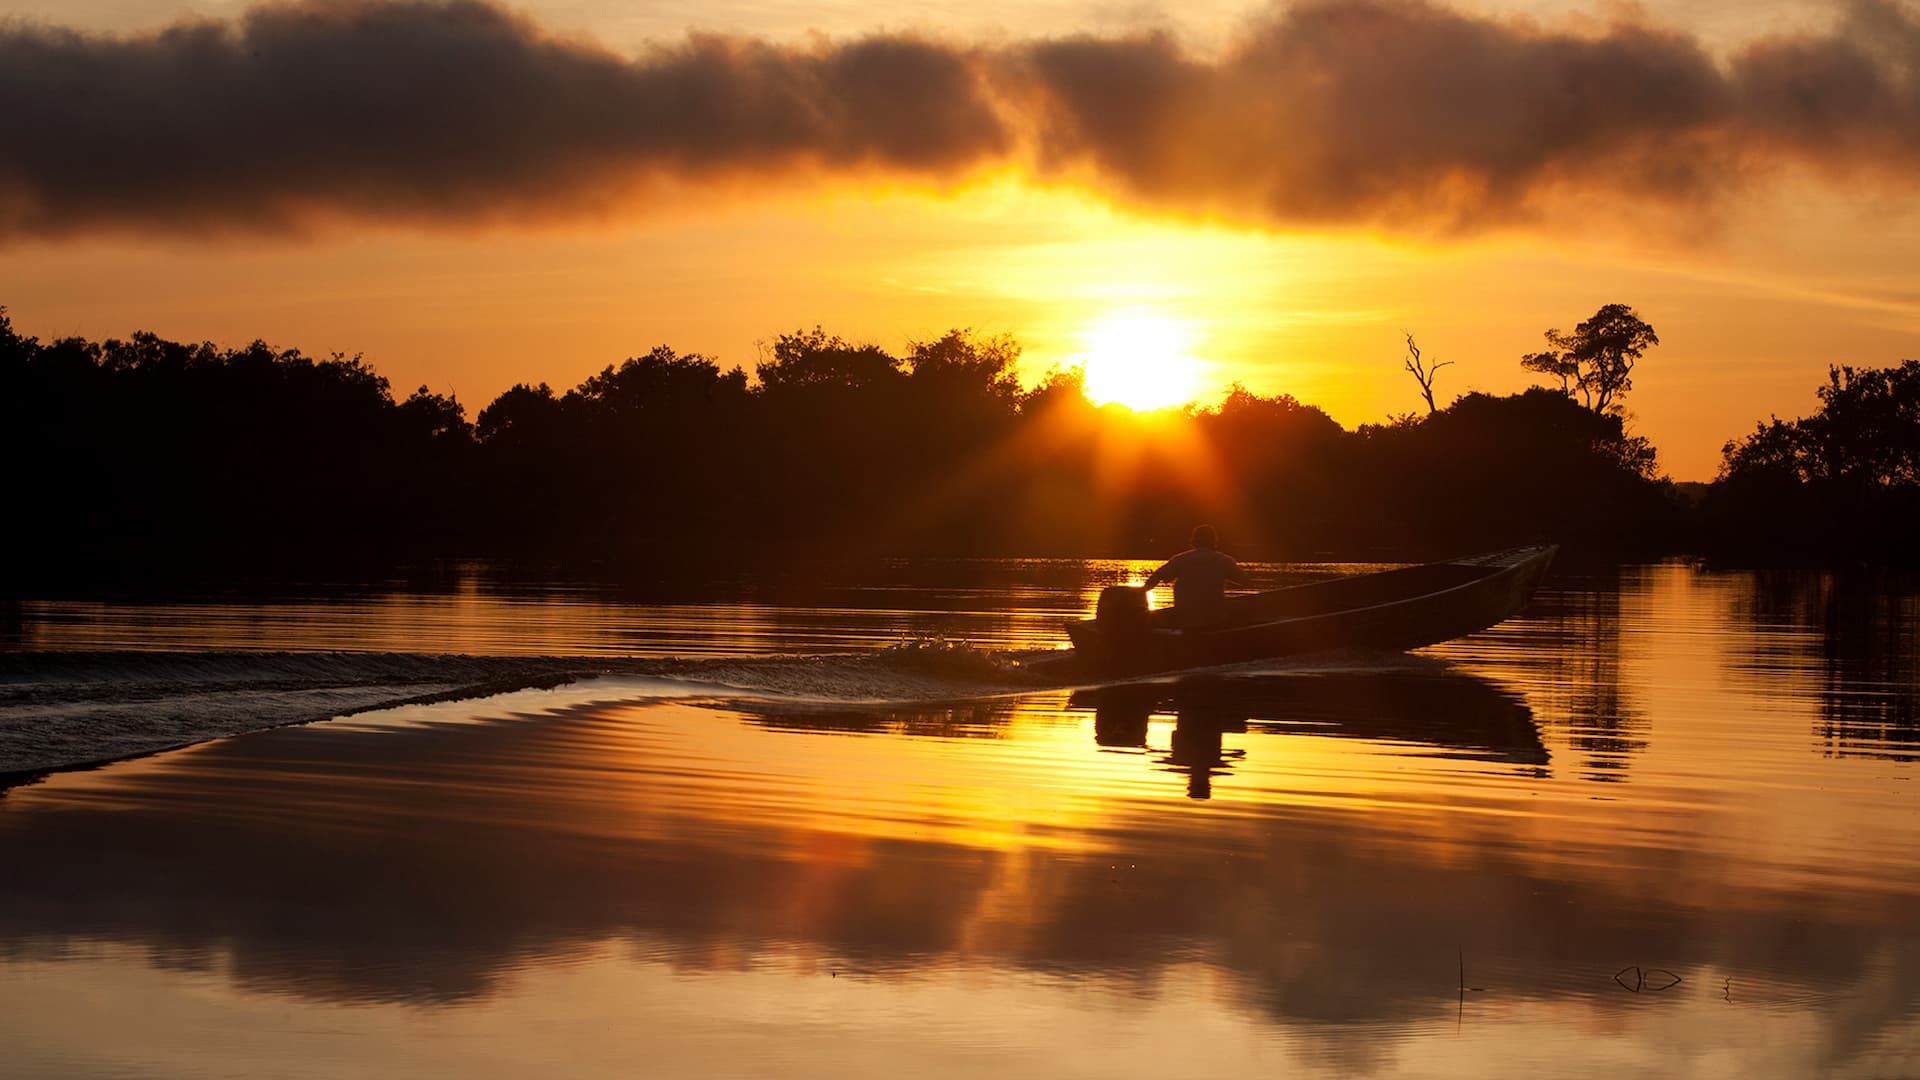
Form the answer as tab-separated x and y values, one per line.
474	195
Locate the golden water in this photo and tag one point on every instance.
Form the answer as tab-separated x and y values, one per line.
1664	824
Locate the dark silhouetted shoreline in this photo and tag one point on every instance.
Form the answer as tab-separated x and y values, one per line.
159	460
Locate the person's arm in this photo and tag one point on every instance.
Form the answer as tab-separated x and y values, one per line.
1236	575
1165	573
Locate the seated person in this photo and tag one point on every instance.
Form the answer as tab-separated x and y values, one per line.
1200	575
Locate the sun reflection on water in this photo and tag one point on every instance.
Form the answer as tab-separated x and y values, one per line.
1243	871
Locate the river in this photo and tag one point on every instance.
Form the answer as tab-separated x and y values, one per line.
1661	824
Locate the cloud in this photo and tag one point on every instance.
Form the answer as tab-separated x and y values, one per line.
443	111
1395	112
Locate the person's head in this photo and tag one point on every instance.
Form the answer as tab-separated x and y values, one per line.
1205	537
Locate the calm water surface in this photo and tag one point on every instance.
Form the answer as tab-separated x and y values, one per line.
1663	824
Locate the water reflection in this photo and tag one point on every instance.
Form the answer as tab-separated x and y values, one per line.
1035	877
959	720
1194	747
420	863
1855	634
1606	725
1438	708
1422	704
481	608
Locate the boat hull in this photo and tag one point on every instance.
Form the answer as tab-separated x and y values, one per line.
1392	611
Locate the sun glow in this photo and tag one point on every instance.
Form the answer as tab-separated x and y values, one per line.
1140	359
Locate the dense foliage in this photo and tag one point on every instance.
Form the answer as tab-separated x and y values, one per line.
159	451
1842	483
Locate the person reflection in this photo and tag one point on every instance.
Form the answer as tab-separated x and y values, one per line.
1121	715
1196	748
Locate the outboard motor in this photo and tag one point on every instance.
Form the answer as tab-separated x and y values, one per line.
1122	610
1123	621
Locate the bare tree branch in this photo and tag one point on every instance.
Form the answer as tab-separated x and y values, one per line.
1422	372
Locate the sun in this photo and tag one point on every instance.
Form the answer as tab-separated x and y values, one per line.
1139	359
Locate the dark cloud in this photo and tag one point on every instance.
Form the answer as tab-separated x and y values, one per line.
1846	101
1416	114
451	110
1390	111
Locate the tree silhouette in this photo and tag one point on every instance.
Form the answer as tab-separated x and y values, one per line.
1866	434
1842	482
174	456
960	361
1422	373
1598	358
809	359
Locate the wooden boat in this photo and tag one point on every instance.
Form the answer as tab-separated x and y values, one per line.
1392	610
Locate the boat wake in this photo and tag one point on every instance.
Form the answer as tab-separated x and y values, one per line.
66	709
62	710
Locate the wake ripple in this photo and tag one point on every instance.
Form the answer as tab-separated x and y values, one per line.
67	709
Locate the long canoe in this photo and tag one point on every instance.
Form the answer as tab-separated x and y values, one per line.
1392	610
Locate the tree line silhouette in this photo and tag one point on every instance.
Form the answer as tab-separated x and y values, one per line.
1841	484
154	453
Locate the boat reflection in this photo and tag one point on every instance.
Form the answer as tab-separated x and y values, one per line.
1464	716
1460	713
1430	708
1123	714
